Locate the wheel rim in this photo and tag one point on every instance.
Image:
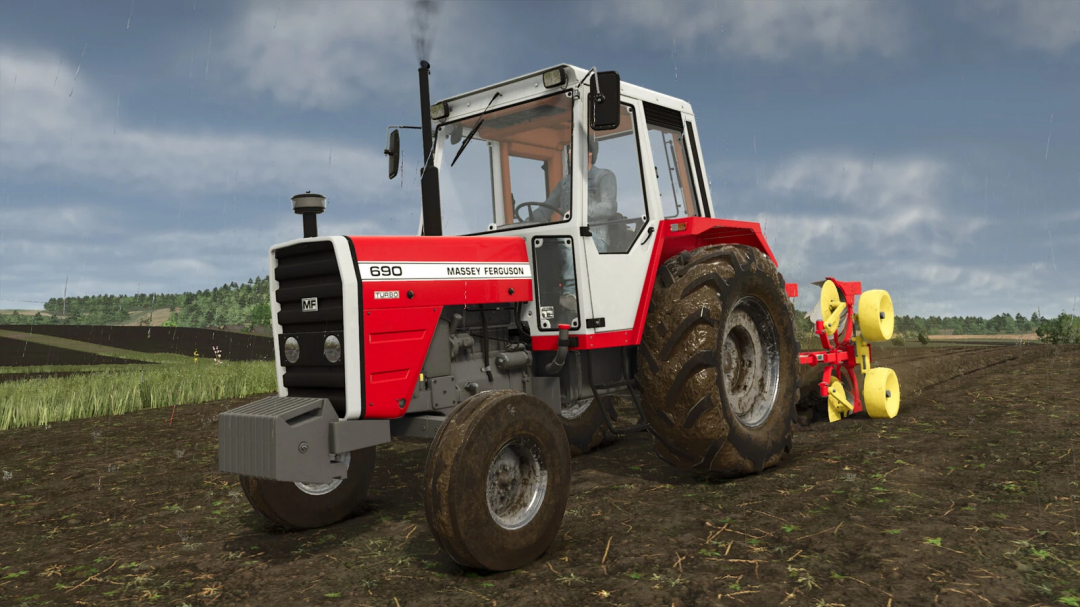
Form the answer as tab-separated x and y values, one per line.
516	483
575	409
324	488
750	362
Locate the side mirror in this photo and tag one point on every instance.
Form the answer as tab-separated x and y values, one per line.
605	101
393	150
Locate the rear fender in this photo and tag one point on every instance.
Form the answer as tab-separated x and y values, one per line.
677	235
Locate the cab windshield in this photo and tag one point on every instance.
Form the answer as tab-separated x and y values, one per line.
506	173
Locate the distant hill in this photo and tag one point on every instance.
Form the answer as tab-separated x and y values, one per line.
237	306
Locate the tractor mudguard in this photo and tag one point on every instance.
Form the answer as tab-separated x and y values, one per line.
673	237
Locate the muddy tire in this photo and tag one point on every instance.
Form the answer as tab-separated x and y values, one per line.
307	506
718	363
586	429
497	480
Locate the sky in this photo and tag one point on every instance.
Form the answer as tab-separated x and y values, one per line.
928	148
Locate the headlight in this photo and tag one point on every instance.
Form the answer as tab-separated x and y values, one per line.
555	77
332	349
292	350
439	110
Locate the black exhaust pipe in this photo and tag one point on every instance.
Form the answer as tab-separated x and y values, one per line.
431	206
309	205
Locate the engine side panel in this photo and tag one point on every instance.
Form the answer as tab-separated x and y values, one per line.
395	344
405	283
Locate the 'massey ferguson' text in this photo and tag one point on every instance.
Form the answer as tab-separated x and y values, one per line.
484	271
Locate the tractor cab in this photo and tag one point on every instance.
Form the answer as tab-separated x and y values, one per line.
582	166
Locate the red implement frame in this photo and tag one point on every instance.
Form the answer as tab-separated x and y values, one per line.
840	353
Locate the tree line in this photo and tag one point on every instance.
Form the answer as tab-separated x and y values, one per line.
229	304
1002	324
249	304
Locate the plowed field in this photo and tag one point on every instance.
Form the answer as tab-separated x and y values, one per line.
170	340
968	497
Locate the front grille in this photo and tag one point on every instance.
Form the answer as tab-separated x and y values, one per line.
308	270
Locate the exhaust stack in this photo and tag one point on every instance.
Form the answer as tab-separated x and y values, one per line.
309	205
431	207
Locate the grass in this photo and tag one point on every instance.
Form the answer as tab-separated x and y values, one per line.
66	368
42	401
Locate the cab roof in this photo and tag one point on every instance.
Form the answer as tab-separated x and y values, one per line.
516	89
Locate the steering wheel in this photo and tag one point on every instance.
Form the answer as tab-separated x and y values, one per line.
517	209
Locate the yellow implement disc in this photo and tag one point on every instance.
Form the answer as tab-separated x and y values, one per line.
839	406
831	306
881	392
876	315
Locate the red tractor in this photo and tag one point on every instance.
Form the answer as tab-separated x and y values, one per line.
553	274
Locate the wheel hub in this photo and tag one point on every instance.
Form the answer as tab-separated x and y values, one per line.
516	483
324	488
750	361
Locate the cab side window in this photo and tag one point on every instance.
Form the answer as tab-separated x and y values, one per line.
668	141
616	199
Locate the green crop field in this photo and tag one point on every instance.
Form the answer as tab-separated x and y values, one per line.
41	401
162	379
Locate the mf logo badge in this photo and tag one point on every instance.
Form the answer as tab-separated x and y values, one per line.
310	304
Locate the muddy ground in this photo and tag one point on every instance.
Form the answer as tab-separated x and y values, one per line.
20	353
170	340
969	497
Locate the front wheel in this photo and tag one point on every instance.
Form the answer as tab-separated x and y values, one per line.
497	480
311	505
718	364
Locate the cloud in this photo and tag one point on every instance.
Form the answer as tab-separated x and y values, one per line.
71	130
117	205
768	30
43	245
892	223
887	205
332	55
1052	26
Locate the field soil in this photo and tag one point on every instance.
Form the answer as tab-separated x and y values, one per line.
919	368
968	497
153	318
21	353
169	340
1015	337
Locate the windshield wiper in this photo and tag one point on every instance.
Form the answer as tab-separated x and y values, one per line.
469	137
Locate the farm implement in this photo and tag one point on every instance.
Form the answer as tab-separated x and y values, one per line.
554	276
845	351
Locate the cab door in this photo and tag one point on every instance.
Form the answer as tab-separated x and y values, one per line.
619	231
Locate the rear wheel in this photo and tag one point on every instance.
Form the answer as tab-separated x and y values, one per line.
585	426
718	364
497	480
310	505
